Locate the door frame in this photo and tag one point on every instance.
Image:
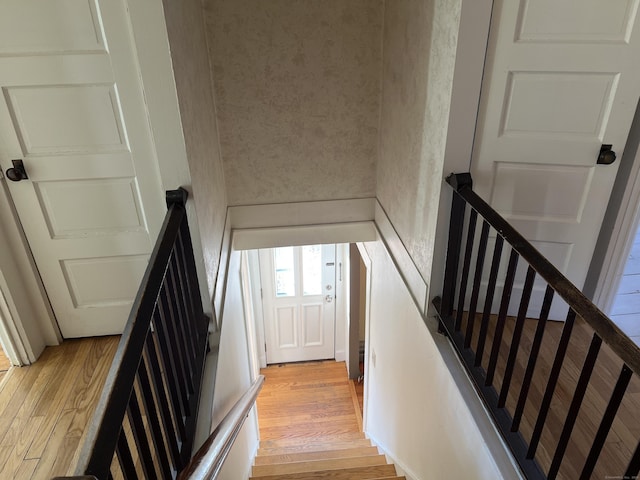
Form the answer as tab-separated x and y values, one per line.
364	255
33	324
619	226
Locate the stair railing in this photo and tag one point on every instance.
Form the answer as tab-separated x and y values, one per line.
208	460
468	302
145	421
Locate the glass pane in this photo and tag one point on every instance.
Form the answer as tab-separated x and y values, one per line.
285	276
312	270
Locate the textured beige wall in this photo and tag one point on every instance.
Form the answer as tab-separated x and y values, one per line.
297	89
190	57
420	38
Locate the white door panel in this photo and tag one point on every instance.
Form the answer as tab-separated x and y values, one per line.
561	79
298	302
72	109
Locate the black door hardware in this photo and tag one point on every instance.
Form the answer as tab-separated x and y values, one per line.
18	172
607	156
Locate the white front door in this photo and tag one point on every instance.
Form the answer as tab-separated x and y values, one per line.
72	110
298	293
561	80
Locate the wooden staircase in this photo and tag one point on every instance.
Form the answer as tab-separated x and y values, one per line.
311	427
333	459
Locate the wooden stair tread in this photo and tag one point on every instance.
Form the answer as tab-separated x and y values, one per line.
301	439
318	465
311	427
364	473
271	448
316	455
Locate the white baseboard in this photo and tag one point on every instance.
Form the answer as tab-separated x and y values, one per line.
401	470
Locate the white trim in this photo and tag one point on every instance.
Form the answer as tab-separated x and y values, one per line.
253	261
250	239
342	303
366	259
249	315
11	331
622	238
619	226
32	323
302	213
401	469
220	289
473	35
408	270
151	44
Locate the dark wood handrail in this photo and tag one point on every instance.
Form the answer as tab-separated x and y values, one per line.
620	343
208	460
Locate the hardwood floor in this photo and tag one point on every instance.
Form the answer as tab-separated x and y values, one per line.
311	401
311	426
625	433
46	407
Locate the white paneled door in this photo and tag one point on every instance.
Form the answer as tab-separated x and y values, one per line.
298	294
562	79
72	111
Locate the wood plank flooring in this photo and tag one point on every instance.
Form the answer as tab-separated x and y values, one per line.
625	433
311	426
46	407
310	401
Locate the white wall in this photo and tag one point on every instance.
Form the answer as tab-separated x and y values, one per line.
234	376
415	410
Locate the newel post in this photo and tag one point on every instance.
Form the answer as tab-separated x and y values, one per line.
456	227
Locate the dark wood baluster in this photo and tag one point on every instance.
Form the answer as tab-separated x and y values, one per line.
191	291
188	316
574	408
456	225
173	428
517	336
533	358
166	365
488	302
153	417
466	266
552	382
140	436
477	279
502	316
125	459
170	353
174	339
634	464
200	321
607	420
184	349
